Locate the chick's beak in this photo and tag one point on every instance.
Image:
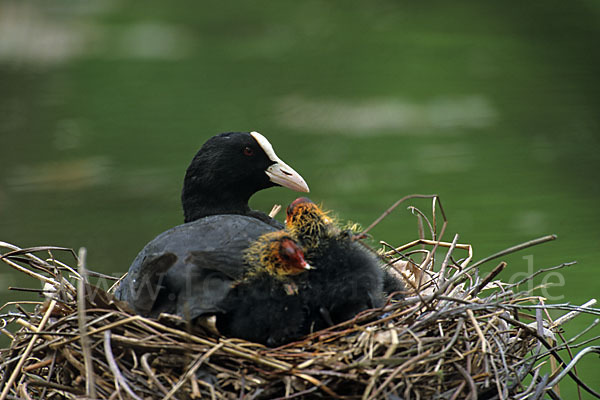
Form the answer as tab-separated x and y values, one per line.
307	266
301	266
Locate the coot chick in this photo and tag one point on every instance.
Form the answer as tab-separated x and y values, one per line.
226	171
348	278
264	305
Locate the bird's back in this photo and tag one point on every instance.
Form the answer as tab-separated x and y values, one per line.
188	289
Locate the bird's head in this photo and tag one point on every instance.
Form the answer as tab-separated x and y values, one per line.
278	254
229	169
308	222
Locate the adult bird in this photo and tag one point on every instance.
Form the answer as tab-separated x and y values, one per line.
264	304
348	278
227	170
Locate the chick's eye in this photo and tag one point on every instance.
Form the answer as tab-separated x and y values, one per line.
248	151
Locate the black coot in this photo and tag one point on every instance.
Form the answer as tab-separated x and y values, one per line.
347	279
224	174
264	305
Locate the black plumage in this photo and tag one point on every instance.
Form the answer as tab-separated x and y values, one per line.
183	288
226	171
348	278
264	305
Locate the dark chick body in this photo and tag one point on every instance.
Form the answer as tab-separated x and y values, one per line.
346	281
262	310
348	278
264	305
226	171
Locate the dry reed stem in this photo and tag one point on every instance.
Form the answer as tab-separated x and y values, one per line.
26	353
90	388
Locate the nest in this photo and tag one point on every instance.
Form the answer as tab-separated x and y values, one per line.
456	334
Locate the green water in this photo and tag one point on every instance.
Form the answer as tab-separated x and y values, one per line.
494	106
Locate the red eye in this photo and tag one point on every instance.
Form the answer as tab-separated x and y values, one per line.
248	151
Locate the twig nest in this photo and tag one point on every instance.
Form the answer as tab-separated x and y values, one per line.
455	335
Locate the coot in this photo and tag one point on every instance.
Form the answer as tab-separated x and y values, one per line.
226	171
348	278
264	305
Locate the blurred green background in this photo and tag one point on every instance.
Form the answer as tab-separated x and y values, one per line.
495	106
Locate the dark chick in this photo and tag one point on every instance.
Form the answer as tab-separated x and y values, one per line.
264	305
348	278
224	174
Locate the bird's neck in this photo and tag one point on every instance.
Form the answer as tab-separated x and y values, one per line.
199	204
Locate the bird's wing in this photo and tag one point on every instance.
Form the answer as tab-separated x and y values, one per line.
227	262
